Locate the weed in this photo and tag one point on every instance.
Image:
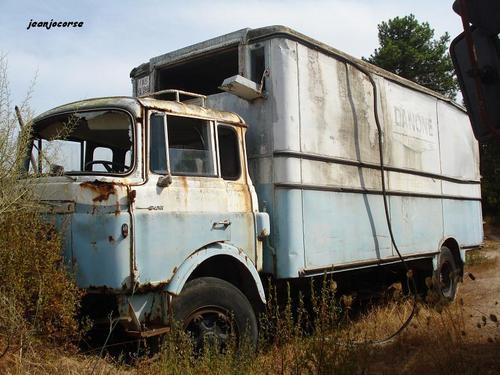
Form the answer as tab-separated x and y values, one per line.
39	299
476	257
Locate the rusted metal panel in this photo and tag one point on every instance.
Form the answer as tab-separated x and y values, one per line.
133	105
192	110
194	204
123	102
90	216
195	259
101	190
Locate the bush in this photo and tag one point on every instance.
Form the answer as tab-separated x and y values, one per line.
34	279
38	298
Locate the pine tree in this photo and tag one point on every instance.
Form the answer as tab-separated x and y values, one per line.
408	48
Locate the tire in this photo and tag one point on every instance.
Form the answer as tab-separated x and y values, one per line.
446	275
215	311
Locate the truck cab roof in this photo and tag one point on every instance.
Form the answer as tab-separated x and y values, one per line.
134	105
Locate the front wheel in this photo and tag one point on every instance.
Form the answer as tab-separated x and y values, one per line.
213	311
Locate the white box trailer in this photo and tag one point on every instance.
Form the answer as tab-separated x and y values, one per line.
313	150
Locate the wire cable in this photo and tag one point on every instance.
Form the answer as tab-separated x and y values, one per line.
410	280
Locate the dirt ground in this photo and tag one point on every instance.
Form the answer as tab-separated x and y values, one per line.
464	340
480	290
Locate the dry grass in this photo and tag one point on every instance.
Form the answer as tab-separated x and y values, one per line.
319	339
39	300
434	343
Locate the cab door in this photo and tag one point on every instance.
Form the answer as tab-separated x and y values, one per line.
232	166
183	206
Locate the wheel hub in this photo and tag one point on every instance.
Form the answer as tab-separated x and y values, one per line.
445	277
209	326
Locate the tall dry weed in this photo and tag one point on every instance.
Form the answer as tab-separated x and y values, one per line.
39	300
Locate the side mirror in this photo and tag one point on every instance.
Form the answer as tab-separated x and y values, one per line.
484	14
56	170
480	85
164	181
476	57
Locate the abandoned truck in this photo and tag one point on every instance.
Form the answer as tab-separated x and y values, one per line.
176	205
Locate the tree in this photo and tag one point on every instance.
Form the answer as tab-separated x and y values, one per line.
490	181
408	49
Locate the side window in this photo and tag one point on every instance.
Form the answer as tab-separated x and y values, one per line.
190	143
128	158
60	153
158	152
258	63
103	154
229	153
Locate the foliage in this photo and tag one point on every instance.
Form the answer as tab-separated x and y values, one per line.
313	337
14	190
297	335
39	300
407	48
490	172
34	279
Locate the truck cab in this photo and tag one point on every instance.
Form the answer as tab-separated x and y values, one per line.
157	211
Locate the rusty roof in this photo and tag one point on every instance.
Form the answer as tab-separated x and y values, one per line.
133	105
181	108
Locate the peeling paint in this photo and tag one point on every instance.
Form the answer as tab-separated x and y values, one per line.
102	189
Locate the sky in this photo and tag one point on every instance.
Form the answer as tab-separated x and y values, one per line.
95	60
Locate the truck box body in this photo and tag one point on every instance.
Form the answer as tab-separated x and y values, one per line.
313	151
168	212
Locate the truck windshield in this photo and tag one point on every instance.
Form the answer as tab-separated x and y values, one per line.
92	142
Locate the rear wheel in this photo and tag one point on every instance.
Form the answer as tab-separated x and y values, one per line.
446	275
215	312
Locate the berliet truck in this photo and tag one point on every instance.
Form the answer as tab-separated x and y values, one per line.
260	154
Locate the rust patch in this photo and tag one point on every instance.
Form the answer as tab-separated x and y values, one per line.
263	234
117	208
148	287
247	200
131	196
111	239
184	183
185	189
102	189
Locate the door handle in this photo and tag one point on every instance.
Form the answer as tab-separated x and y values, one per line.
221	224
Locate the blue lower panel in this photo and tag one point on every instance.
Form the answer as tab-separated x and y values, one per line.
343	228
100	253
62	223
165	239
417	223
318	229
463	221
287	233
265	192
